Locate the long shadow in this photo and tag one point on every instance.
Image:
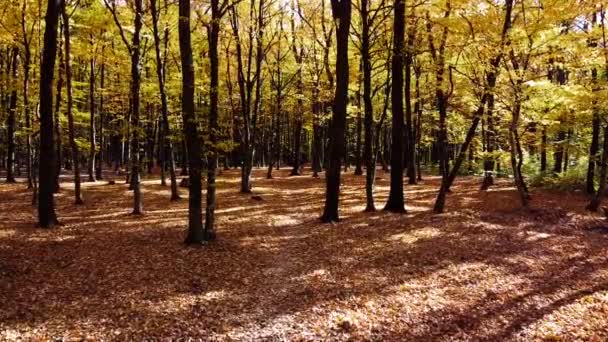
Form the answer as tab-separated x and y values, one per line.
105	268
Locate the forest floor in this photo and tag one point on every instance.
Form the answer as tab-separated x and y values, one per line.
484	270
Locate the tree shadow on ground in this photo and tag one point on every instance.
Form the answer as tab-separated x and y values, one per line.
483	270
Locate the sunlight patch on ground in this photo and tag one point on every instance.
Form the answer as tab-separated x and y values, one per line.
532	236
416	235
283	220
6	233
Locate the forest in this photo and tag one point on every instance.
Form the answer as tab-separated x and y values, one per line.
303	170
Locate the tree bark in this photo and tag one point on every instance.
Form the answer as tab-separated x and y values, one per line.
160	73
213	35
46	206
70	104
341	10
395	201
91	168
12	117
599	195
196	233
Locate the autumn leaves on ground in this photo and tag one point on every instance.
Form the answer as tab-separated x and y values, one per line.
484	270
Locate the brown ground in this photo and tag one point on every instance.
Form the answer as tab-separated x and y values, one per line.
485	270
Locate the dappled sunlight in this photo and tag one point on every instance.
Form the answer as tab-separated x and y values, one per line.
276	270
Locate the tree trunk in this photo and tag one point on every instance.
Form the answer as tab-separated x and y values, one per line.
196	234
57	127
46	206
341	10
599	195
166	147
558	155
543	150
593	150
410	149
488	164
102	119
368	109
213	34
70	104
91	168
135	87
12	118
395	201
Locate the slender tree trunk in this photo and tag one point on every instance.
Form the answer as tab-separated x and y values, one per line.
516	154
12	117
101	155
543	150
297	134
593	150
359	123
599	195
160	73
135	87
213	35
46	206
558	155
488	164
418	109
409	129
91	168
196	232
57	127
368	148
28	119
341	10
70	104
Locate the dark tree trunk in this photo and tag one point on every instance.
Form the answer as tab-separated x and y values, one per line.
488	164
91	168
593	150
297	134
599	195
135	103
196	233
70	104
368	149
395	201
27	61
410	149
101	155
12	118
517	153
341	10
46	206
418	109
57	127
166	147
359	132
543	150
214	31
558	155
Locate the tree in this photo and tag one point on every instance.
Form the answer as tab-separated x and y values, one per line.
341	11
395	201
196	233
68	85
46	206
11	120
160	73
134	49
